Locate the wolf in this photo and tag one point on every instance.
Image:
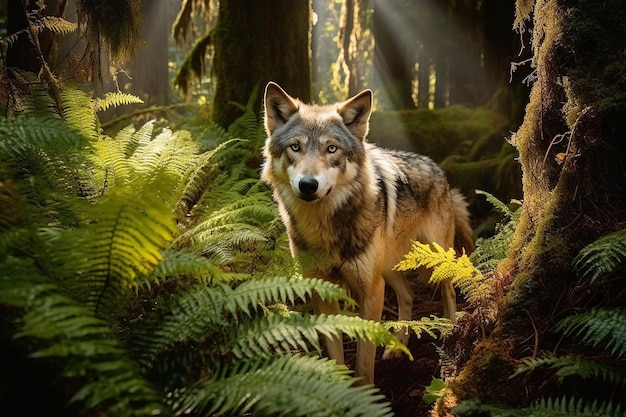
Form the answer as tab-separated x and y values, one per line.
352	210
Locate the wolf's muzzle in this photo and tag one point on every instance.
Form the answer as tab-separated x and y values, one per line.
308	187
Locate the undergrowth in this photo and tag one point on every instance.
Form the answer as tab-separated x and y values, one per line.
147	273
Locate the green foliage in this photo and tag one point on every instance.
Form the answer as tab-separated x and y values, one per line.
595	363
298	386
600	327
445	265
432	326
602	256
112	280
559	407
434	391
490	251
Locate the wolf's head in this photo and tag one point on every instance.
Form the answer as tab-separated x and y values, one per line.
311	150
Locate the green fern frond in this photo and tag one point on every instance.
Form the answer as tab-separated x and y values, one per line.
551	407
564	407
567	366
247	125
433	326
79	112
23	135
602	256
177	263
599	327
124	242
446	265
115	99
267	335
499	205
58	328
286	385
490	251
248	295
201	311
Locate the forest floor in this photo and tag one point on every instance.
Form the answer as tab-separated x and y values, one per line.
401	380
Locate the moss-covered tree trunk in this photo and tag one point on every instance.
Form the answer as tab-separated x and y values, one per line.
572	148
255	42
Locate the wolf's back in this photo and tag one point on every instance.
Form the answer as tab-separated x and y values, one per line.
463	233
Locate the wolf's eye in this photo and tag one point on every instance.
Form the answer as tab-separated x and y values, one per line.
331	149
295	147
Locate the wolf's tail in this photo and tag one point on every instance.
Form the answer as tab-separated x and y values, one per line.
463	233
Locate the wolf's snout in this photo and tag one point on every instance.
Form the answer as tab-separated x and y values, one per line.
308	185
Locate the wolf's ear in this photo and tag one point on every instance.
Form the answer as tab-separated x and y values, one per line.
279	107
356	113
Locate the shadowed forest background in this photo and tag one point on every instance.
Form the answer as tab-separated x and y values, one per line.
144	269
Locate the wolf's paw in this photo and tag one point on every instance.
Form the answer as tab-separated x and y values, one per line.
392	353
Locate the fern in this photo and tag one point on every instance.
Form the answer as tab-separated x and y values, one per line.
446	265
432	326
106	303
182	263
602	256
201	311
78	112
295	386
552	407
115	99
604	328
61	330
490	251
267	335
567	366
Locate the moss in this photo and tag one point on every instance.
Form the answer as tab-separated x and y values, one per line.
489	362
471	132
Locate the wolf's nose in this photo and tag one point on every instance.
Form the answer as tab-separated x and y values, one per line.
308	185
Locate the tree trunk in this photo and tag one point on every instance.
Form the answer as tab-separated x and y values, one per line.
23	54
572	152
256	42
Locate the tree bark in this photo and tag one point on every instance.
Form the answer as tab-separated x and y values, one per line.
572	152
256	42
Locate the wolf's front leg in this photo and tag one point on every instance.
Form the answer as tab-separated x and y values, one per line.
334	345
371	299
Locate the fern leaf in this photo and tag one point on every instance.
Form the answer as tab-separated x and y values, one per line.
287	385
24	134
435	327
56	25
124	242
550	407
79	113
599	327
267	335
497	204
200	312
445	265
115	99
567	366
184	263
247	296
602	256
84	345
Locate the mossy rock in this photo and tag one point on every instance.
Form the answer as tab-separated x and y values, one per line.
469	144
470	132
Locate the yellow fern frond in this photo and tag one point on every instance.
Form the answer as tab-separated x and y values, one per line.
115	99
56	25
445	265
